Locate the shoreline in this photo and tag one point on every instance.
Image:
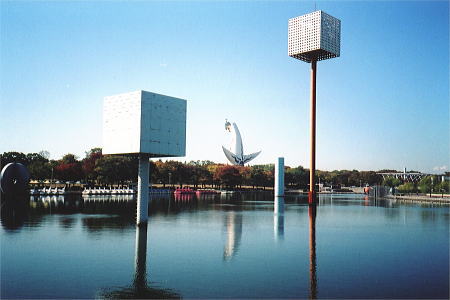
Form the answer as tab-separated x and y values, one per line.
435	198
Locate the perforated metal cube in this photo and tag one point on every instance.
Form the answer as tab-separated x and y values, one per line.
315	36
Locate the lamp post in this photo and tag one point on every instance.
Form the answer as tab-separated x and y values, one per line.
313	37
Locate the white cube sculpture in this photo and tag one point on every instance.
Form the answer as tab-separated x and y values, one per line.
315	36
148	125
144	123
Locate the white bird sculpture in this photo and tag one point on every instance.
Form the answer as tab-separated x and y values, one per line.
238	157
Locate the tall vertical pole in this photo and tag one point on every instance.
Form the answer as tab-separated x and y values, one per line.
142	196
279	177
312	169
278	208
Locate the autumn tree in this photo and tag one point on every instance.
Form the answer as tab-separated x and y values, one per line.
228	176
88	163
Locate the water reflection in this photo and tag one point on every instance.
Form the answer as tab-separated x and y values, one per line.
184	197
278	226
108	198
140	289
204	226
233	227
14	212
100	223
140	258
312	211
33	211
278	218
67	222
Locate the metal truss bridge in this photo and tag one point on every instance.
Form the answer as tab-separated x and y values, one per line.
405	176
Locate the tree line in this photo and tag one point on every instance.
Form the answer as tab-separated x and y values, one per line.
427	184
98	169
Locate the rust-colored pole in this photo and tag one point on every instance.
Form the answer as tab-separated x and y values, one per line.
312	169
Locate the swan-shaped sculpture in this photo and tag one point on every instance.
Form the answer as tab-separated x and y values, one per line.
238	157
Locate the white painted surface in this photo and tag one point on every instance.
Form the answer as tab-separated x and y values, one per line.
238	157
278	207
142	193
144	122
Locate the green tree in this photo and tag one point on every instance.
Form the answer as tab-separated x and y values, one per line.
297	177
407	187
391	181
443	187
40	170
370	177
257	176
69	159
38	166
13	156
425	184
116	169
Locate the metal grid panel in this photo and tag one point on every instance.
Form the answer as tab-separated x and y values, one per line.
314	36
330	39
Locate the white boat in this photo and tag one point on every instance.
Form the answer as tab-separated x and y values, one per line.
61	191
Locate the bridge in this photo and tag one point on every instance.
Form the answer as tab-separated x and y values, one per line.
405	176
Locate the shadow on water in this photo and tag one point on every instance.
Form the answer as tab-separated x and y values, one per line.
139	288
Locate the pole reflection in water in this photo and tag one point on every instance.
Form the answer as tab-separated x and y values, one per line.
278	218
140	288
140	258
312	211
233	227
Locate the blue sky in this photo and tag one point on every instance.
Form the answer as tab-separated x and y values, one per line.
383	104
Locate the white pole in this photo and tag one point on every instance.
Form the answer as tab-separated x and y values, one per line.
278	207
142	196
279	177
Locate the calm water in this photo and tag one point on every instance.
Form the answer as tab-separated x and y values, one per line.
225	247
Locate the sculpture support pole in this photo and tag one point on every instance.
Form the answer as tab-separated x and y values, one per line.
279	177
142	196
312	169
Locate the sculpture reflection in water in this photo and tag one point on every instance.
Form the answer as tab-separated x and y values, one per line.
278	218
140	288
312	211
233	227
14	211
